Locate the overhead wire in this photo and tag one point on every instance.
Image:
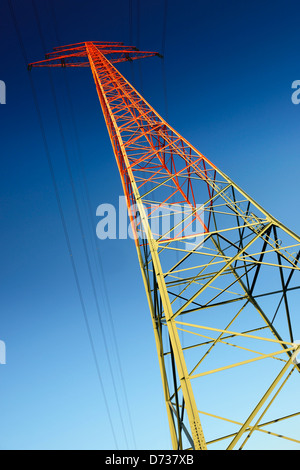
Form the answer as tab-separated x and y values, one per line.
131	38
63	221
96	251
80	223
138	43
163	47
164	80
135	13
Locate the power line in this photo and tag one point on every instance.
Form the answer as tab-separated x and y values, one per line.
164	27
63	220
163	47
76	202
138	42
88	198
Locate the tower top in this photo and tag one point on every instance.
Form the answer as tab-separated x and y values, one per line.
76	55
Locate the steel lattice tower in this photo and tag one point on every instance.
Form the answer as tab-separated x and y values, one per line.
224	299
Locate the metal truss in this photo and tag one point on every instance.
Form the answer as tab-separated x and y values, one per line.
221	274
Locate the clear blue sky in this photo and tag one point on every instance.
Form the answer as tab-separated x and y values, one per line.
229	67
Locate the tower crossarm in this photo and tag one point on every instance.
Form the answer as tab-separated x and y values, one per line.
75	55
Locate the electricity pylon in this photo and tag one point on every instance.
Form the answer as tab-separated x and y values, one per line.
221	274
